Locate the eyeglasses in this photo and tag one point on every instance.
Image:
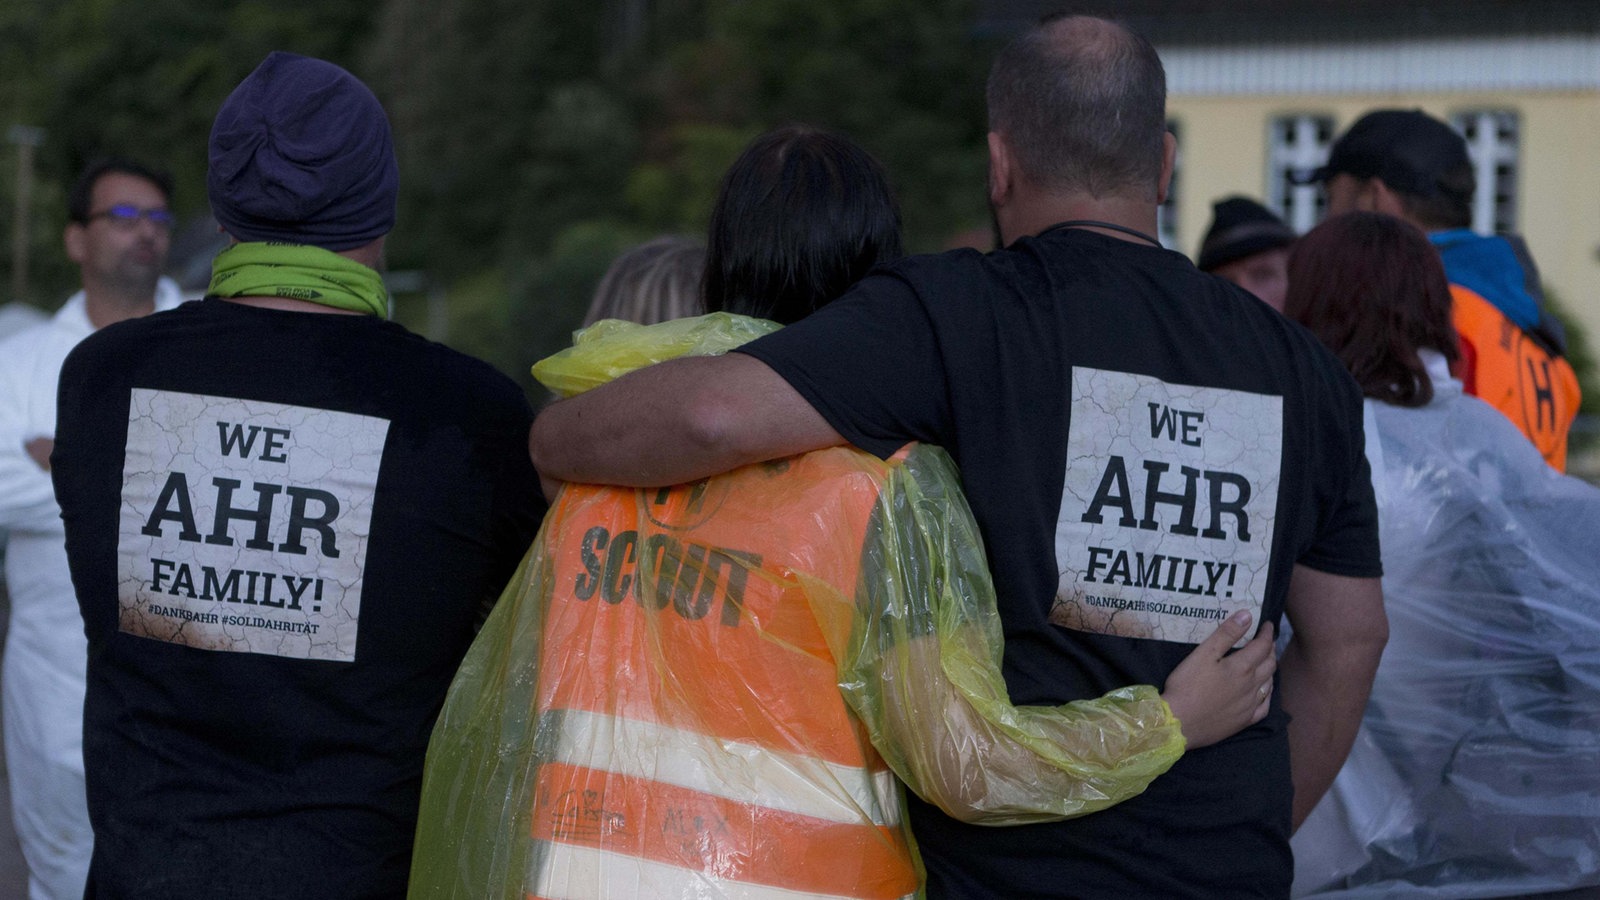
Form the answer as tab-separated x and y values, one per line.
126	215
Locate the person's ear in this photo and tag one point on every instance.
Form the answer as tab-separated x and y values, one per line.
1384	200
1002	170
1169	162
75	238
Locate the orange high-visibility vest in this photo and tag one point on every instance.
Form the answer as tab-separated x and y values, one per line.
1534	388
694	740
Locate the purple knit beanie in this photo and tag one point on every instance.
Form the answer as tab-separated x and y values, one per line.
301	153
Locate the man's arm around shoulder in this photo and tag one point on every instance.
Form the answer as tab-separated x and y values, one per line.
676	422
1326	674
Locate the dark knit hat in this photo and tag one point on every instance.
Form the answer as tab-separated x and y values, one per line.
1406	149
301	153
1241	227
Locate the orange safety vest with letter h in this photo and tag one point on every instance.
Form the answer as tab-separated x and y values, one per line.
693	741
1501	365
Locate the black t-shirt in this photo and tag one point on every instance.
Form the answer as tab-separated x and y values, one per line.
284	529
1146	448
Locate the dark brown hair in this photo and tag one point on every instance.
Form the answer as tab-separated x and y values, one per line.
1450	205
1373	289
82	192
801	216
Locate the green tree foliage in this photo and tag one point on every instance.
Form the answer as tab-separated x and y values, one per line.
903	77
1580	352
143	78
509	132
675	192
554	290
537	138
504	134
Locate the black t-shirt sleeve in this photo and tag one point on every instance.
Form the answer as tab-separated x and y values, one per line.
1347	542
869	363
86	469
518	499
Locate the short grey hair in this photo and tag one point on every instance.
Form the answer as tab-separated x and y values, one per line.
1081	102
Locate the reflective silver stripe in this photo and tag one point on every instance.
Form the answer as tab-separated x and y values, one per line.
583	873
741	772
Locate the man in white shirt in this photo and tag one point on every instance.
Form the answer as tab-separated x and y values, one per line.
16	315
119	231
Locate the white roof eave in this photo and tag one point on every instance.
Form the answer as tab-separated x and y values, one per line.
1532	63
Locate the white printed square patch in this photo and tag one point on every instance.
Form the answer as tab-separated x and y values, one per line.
1167	511
244	525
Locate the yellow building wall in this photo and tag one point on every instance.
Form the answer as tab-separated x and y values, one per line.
1223	144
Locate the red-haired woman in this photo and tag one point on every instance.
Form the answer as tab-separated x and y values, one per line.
1477	765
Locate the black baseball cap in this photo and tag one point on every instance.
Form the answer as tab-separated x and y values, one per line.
1406	149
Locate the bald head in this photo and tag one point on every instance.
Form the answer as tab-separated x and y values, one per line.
1081	101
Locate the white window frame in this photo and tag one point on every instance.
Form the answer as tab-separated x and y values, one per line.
1494	141
1297	143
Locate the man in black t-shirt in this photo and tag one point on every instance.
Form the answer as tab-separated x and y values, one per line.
1146	448
285	518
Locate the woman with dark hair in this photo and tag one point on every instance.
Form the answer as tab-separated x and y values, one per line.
1476	771
722	675
1371	287
801	215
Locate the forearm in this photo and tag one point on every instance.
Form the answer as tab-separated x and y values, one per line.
26	495
676	422
1324	690
25	489
959	743
922	669
1326	674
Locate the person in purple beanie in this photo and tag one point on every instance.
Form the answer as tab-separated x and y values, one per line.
285	519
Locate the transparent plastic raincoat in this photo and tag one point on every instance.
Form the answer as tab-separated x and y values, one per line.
702	691
1476	772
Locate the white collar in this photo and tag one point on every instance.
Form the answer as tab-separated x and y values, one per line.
74	314
1438	369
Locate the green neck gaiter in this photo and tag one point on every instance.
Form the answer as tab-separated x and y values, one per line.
299	272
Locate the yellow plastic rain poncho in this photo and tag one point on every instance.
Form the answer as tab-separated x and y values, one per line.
701	691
